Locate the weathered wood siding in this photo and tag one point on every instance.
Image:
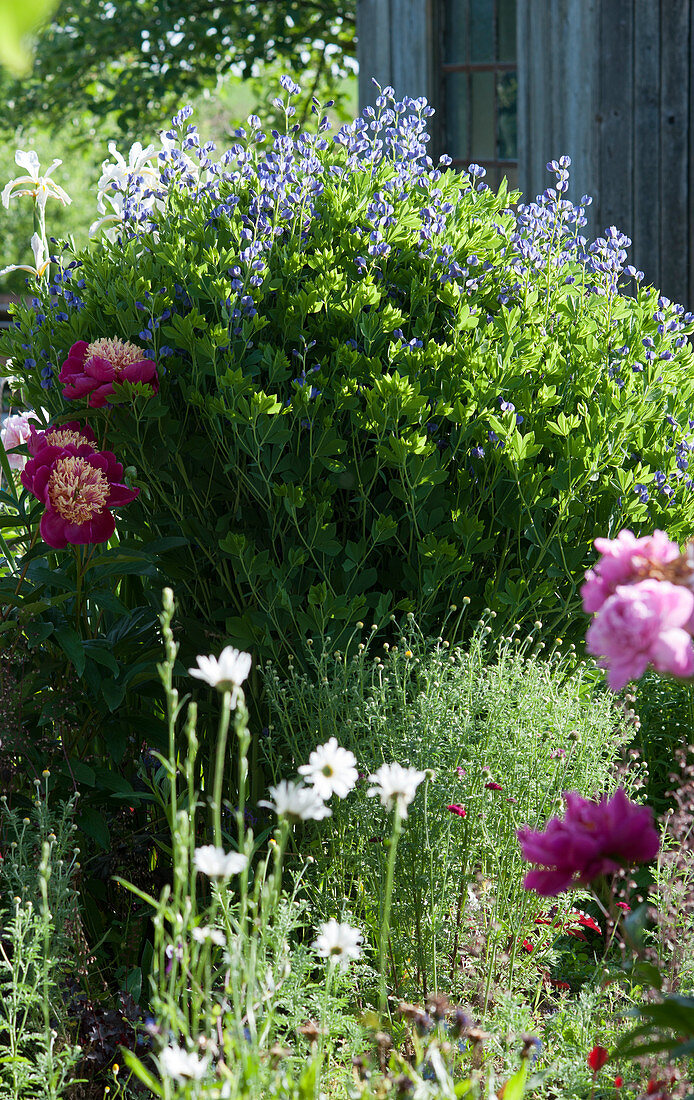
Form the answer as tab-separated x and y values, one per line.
396	47
611	83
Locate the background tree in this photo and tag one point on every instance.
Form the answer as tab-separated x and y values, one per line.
137	60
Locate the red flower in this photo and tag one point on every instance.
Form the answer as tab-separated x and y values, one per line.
597	1058
528	946
61	435
456	808
595	838
582	920
618	1082
79	487
92	369
492	786
623	905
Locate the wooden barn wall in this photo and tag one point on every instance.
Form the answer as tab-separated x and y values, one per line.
610	83
396	47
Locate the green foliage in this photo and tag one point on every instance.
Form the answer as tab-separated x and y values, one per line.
38	911
322	468
136	62
471	716
17	23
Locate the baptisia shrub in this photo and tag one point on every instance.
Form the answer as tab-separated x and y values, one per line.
381	385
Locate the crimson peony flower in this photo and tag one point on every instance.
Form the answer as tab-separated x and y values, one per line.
597	1058
456	808
61	435
494	786
618	1081
594	838
79	487
92	369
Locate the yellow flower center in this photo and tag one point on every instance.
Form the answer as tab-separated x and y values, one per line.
77	490
119	353
62	437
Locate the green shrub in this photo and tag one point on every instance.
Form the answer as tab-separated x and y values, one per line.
502	733
381	386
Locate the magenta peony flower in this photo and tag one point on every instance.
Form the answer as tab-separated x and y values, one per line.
79	487
16	431
456	808
643	624
91	370
61	435
594	838
624	559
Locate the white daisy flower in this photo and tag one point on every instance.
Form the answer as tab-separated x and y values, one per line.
339	942
179	1064
216	863
396	786
331	769
296	802
226	672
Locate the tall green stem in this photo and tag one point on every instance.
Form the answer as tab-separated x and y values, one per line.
387	900
222	735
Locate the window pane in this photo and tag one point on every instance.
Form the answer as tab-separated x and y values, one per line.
511	174
481	30
456	115
483	146
455	32
507	114
506	17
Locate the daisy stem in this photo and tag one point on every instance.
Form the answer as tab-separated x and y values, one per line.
243	737
387	899
222	734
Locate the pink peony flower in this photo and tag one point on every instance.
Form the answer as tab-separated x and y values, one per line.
15	432
593	839
643	624
91	370
79	487
623	560
61	435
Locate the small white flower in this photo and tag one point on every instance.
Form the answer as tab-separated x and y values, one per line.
202	934
331	769
396	786
216	863
36	186
339	942
41	259
181	1065
297	802
225	673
